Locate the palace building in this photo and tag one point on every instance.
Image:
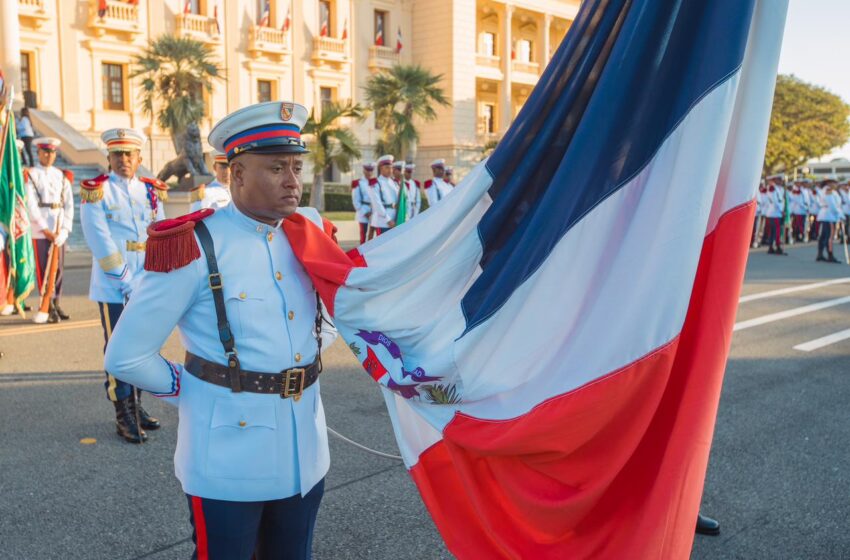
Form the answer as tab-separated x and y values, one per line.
71	61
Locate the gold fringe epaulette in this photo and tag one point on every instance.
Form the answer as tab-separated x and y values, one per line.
197	194
160	186
91	190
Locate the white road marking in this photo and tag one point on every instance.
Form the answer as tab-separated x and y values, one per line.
790	313
823	341
783	291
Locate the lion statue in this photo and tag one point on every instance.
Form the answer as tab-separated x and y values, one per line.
190	156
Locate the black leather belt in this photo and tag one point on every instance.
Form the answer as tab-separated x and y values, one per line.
288	383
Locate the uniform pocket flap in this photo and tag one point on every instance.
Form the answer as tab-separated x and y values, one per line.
235	415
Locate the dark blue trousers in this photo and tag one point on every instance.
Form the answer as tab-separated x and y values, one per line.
825	239
277	529
116	390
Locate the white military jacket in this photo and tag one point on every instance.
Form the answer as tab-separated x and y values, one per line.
115	228
49	195
414	198
233	446
215	196
383	193
436	189
360	199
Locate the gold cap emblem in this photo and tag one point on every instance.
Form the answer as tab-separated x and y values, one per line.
121	133
286	111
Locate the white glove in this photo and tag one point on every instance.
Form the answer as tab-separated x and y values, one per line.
61	238
2	241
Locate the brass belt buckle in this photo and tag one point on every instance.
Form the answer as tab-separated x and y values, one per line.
297	376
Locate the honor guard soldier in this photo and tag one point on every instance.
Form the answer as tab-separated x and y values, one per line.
383	193
450	174
437	188
216	194
829	215
50	204
360	199
115	212
414	190
252	449
798	207
774	214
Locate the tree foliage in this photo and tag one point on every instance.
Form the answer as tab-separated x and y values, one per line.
807	122
331	143
398	97
174	73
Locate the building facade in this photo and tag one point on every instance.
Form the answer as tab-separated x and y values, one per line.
73	60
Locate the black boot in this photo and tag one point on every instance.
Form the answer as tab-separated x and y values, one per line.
820	256
125	422
147	421
52	315
832	258
707	525
62	315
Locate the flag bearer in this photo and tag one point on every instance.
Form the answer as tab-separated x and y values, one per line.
360	199
252	449
383	193
437	188
217	193
115	211
50	204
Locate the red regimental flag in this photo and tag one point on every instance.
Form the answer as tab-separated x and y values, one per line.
101	8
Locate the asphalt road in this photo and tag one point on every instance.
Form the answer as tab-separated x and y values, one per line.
777	481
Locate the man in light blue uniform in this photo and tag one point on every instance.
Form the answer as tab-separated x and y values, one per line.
115	211
216	194
252	449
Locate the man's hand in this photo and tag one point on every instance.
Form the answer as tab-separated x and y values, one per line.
391	223
49	234
61	238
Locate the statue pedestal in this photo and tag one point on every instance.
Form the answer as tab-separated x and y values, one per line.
192	181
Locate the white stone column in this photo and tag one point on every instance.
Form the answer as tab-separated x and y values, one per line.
506	108
10	45
547	25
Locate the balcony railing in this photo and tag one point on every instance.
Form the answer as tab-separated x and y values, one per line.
526	67
119	17
268	41
329	49
487	60
199	27
382	57
32	13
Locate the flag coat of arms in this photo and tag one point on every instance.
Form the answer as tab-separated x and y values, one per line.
551	337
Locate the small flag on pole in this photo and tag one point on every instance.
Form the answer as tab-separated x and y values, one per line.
215	17
379	33
264	17
345	30
187	7
324	30
398	41
101	8
287	21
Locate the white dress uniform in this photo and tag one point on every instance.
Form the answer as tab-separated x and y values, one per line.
115	228
829	207
797	203
49	196
383	193
213	195
233	446
436	189
414	198
361	200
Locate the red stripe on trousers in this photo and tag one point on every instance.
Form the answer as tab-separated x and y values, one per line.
200	528
612	470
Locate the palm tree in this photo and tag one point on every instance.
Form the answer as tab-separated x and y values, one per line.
174	72
397	97
332	144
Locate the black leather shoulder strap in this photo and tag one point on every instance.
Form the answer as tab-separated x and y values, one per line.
225	334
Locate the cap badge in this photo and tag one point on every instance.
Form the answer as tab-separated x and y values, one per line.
286	111
121	133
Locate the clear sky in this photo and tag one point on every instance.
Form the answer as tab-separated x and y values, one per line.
816	47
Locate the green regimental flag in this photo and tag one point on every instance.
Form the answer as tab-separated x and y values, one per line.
15	221
401	213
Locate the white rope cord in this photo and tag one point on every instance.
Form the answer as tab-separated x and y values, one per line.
361	446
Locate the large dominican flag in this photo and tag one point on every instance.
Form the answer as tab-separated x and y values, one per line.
551	337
